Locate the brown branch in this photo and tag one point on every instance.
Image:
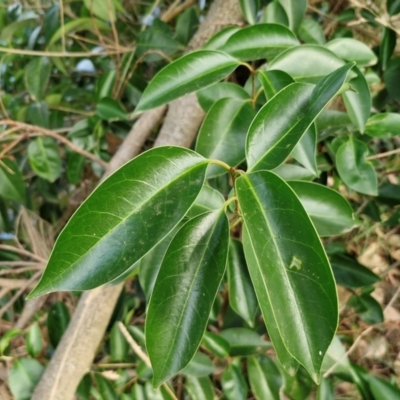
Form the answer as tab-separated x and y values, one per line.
37	129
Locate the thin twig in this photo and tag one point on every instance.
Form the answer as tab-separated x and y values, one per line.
62	139
141	354
22	252
63	54
382	155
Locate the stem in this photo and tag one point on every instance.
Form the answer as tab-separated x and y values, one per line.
382	155
221	164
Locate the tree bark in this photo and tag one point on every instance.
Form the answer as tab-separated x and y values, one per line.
74	354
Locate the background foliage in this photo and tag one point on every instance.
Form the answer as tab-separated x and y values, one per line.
73	72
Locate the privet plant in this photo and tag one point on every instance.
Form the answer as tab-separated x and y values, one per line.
265	233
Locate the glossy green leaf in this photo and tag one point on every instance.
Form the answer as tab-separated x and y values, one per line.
38	114
332	119
393	6
23	378
285	358
222	135
241	293
44	158
200	388
102	9
150	264
336	355
383	126
358	102
295	10
244	341
352	50
12	185
249	10
274	13
118	345
200	365
184	293
382	389
75	166
259	42
83	390
273	81
110	109
349	273
210	95
371	311
357	173
6	339
209	199
281	123
220	38
216	344
387	46
185	75
36	76
305	151
265	378
34	341
57	322
291	264
233	383
311	32
329	211
154	191
299	63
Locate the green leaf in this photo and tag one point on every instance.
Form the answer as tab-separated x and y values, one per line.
329	211
387	46
265	378
259	42
299	386
295	10
106	389
118	345
44	158
358	103
249	10
222	135
244	342
200	388
38	114
274	13
102	9
382	389
79	24
383	126
305	151
209	199
57	322
110	110
349	273
34	341
336	355
393	6
200	365
350	49
6	339
273	81
216	344
12	185
291	264
75	166
233	383
186	25
36	76
124	218
299	63
371	311
311	32
357	173
285	358
23	378
241	293
325	390
281	123
153	41
210	95
184	293
220	38
185	75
